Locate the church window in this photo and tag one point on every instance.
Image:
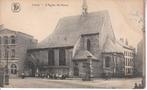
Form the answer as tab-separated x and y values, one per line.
62	59
88	45
51	57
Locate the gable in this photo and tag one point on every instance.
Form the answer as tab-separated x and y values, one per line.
6	31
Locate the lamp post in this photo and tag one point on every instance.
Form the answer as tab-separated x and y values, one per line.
7	70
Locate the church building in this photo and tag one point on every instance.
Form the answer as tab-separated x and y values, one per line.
76	40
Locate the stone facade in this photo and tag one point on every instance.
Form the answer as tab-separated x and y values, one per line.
13	47
113	64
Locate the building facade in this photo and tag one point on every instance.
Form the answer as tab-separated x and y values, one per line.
129	57
13	48
139	60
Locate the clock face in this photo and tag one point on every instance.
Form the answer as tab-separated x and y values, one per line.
15	7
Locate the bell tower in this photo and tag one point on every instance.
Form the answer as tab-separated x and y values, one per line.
84	7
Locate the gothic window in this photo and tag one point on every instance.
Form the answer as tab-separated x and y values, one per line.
12	39
88	44
51	57
13	69
13	53
5	39
107	61
62	59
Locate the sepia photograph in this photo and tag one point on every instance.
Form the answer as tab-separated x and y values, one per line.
72	44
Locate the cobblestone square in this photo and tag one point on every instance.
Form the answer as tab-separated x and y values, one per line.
72	83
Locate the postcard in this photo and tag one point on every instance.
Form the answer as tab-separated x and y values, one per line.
72	44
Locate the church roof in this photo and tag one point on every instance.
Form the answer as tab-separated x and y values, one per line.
69	29
83	54
124	45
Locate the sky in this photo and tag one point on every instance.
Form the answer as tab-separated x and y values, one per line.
39	17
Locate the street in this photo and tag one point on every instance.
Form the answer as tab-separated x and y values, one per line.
74	83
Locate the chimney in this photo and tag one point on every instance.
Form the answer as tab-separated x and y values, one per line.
126	42
122	40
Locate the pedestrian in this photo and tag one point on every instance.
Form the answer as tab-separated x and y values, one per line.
22	75
140	86
135	87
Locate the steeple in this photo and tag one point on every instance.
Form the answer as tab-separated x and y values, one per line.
84	7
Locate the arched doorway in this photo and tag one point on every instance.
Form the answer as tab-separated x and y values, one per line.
76	71
13	69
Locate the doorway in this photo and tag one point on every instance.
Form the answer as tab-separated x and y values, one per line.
76	71
31	69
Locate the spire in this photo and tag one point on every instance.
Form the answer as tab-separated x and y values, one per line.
84	7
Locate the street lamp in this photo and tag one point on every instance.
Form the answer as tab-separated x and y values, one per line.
7	70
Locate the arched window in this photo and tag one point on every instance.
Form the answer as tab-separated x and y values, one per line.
107	61
12	39
5	39
88	44
13	69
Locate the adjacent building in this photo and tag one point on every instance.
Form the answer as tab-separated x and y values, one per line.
139	60
13	49
129	57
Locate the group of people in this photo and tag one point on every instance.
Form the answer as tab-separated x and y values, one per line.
51	76
139	86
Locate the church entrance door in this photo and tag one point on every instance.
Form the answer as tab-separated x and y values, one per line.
76	71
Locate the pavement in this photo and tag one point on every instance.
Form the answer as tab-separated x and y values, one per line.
72	83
